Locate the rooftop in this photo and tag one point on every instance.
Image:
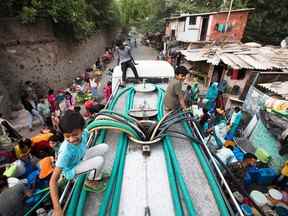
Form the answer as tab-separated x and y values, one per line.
210	13
241	56
279	88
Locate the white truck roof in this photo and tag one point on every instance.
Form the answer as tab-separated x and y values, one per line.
145	69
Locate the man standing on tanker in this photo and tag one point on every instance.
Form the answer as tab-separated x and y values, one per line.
126	60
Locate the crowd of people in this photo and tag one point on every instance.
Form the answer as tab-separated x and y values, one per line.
60	149
31	164
245	173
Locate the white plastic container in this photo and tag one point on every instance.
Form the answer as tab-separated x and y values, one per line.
275	196
259	198
12	181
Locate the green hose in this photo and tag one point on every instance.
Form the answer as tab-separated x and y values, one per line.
119	180
211	178
107	194
83	193
122	119
75	196
170	153
173	185
171	176
113	124
79	187
180	179
117	171
126	117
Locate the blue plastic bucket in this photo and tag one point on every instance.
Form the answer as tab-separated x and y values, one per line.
247	210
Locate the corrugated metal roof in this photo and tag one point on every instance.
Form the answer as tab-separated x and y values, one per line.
237	56
279	88
209	13
195	55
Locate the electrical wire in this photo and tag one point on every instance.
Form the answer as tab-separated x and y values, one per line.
158	125
184	135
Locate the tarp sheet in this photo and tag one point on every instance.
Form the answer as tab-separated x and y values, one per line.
261	138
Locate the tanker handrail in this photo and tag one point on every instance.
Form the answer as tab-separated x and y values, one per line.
218	171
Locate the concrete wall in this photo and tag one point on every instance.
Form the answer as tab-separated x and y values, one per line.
32	52
171	25
238	21
192	32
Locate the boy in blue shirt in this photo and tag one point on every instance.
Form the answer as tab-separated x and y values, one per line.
74	158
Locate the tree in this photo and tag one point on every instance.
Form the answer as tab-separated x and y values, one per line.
80	17
199	6
147	15
268	23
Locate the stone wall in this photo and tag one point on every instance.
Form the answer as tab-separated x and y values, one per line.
5	102
32	52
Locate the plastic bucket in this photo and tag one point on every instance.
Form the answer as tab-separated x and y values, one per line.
275	196
259	198
262	155
247	210
12	181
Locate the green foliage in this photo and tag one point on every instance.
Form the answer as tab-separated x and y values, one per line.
81	16
147	15
104	12
152	24
28	15
199	6
268	23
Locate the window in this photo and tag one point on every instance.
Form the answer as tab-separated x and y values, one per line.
237	74
220	27
192	20
173	33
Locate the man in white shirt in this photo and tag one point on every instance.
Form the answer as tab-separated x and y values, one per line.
126	60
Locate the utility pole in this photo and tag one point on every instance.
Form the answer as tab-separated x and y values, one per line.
229	13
